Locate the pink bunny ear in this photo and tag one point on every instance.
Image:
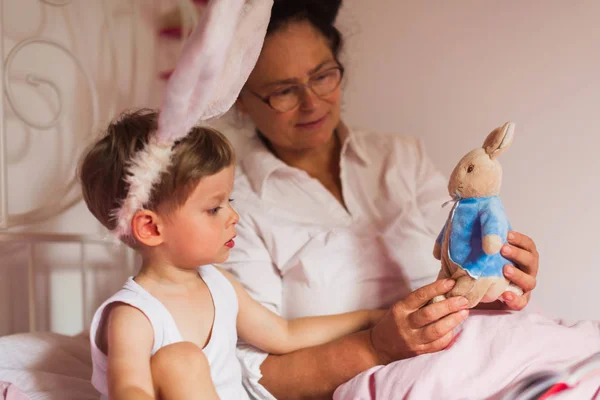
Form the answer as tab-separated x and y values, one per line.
241	58
214	65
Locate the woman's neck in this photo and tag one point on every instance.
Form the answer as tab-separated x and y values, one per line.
322	163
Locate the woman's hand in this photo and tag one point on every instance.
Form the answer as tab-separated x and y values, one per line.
414	326
522	251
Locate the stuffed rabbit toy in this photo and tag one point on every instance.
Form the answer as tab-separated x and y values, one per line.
469	244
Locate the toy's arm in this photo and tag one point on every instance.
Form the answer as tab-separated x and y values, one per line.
494	227
437	248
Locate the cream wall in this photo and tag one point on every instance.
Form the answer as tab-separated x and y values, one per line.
449	72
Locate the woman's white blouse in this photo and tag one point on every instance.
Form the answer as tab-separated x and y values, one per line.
300	252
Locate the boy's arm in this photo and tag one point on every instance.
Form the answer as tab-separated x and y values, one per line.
129	338
266	330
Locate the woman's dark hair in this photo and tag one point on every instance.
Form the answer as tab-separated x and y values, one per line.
320	13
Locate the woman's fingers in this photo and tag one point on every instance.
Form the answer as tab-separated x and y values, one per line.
423	295
522	241
520	278
523	252
442	327
515	302
436	345
526	260
413	326
434	312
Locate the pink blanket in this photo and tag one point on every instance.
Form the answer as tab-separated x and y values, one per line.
493	351
8	391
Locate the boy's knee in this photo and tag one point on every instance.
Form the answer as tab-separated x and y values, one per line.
176	357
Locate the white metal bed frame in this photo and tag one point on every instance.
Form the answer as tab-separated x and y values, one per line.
71	196
31	240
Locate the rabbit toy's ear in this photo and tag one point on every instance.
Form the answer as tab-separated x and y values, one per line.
499	140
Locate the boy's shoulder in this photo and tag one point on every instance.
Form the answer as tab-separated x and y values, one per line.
126	301
124	316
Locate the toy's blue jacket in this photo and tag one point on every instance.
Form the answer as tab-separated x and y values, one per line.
470	220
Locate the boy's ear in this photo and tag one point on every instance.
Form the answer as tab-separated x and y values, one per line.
146	228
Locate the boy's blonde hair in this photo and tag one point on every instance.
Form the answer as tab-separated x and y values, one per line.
203	152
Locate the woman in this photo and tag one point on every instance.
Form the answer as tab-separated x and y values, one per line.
333	219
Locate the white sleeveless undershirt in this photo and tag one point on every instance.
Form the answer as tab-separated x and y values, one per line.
225	369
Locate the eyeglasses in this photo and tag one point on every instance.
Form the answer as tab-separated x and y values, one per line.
288	98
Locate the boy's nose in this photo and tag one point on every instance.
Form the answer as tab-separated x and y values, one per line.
234	218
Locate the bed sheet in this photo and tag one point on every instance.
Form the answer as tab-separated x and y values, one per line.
47	366
492	352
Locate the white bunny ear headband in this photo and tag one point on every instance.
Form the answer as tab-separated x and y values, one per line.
214	65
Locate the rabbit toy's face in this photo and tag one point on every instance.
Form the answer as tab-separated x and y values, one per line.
479	174
476	175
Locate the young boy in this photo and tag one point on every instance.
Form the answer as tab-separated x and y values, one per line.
170	332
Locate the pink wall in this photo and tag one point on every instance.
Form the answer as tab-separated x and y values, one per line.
450	72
